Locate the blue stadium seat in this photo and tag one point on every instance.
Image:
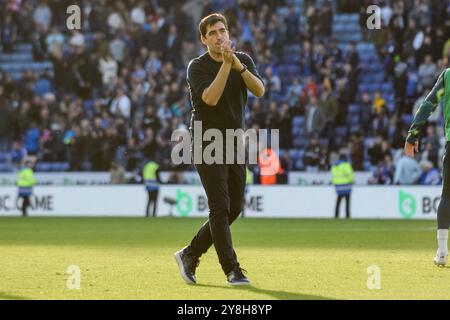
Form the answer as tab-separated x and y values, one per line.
6	167
367	46
293	153
88	104
324	141
44	167
277	97
353	120
354	109
355	128
341	131
294	70
301	153
300	142
60	166
387	86
296	131
292	58
22	48
391	131
15	57
4	156
338	27
390	106
298	165
298	121
364	87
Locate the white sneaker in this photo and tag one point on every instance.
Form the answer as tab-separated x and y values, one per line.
440	259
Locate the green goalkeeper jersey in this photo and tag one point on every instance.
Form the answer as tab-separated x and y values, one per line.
440	90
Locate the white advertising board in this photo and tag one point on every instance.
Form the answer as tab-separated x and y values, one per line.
260	201
295	178
103	201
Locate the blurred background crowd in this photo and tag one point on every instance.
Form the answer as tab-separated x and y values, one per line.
113	92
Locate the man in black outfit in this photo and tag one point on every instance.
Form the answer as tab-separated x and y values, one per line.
218	81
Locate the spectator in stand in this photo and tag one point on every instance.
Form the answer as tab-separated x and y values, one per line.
430	143
380	124
294	92
32	139
108	69
42	16
430	174
315	119
272	81
285	126
384	172
356	148
18	153
117	174
379	104
311	158
365	114
8	33
407	171
427	72
376	151
121	105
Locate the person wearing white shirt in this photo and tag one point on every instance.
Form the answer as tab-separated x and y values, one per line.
108	68
138	13
121	104
42	16
407	171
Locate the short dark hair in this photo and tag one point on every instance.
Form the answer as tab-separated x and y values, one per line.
211	20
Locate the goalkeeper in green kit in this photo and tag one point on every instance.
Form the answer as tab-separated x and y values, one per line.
440	90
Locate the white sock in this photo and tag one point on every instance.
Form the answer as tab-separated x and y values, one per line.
442	237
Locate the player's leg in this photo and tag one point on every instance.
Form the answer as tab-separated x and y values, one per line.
236	190
443	214
203	239
347	205
154	201
25	204
216	229
338	204
215	181
149	200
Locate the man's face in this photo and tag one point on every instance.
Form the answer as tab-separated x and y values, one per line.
215	35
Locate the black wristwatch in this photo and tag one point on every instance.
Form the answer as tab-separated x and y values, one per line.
243	70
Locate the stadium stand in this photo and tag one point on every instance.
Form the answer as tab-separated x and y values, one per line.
116	89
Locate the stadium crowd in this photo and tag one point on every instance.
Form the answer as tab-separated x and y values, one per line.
117	89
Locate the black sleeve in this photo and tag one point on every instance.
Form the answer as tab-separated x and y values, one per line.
248	61
197	78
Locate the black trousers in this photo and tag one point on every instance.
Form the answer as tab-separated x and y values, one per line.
152	197
25	205
347	205
225	187
443	213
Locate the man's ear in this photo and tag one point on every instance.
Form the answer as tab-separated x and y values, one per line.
203	40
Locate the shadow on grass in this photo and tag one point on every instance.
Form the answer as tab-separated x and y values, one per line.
6	296
280	295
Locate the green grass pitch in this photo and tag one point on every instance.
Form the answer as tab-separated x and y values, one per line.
132	258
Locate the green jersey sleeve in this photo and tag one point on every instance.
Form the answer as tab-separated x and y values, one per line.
426	109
